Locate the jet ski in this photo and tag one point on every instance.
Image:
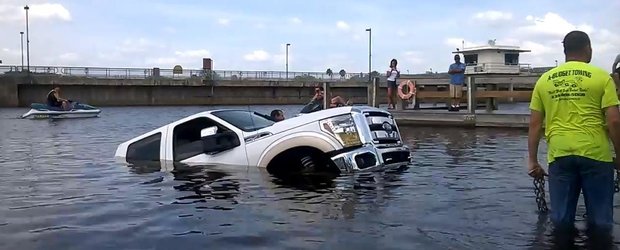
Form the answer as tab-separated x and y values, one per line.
78	110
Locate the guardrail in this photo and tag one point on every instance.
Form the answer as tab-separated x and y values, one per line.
146	73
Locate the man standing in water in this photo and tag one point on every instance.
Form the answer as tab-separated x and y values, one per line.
457	79
579	105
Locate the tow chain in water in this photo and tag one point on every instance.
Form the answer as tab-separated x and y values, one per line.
539	191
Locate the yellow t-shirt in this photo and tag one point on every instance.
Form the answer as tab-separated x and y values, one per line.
573	97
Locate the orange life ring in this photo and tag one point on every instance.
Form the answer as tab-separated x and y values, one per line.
410	93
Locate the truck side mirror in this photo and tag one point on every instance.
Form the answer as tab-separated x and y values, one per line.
208	131
213	143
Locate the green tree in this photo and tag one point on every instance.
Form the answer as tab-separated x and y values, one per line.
342	73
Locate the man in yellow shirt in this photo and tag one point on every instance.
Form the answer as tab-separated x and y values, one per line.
579	105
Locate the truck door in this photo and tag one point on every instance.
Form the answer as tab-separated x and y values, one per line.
187	144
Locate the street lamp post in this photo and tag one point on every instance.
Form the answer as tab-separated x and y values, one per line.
27	39
369	53
287	45
21	34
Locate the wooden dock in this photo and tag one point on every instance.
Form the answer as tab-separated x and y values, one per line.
461	118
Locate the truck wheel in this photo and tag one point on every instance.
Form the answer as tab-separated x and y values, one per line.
308	165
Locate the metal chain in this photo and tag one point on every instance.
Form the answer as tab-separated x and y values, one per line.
539	191
617	182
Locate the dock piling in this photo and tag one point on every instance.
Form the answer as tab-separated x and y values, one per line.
471	95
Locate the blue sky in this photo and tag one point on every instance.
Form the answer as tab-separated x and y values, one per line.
251	35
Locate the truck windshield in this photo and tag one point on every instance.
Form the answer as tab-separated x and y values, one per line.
244	120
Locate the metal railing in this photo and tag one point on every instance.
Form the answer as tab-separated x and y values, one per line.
146	73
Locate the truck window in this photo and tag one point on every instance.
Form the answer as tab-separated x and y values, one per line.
146	149
244	120
186	141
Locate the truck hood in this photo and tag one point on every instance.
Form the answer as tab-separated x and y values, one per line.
303	119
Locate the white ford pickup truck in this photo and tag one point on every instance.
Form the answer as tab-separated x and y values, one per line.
344	139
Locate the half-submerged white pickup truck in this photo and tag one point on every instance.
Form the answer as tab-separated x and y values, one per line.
344	139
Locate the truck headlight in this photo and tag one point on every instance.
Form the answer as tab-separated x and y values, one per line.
343	129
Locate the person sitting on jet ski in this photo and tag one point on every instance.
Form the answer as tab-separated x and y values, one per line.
54	100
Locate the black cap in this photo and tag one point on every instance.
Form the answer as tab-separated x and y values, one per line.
575	41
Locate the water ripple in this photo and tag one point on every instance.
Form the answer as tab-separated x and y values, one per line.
60	187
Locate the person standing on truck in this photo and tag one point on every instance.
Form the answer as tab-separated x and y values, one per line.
579	105
316	103
457	80
392	75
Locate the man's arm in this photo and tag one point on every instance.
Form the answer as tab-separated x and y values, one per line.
537	116
612	115
534	134
610	104
312	106
58	97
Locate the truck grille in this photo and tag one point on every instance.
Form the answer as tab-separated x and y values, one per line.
382	128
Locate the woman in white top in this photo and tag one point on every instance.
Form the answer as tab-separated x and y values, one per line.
392	75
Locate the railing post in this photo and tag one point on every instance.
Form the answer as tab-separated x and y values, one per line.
326	95
373	88
471	95
511	89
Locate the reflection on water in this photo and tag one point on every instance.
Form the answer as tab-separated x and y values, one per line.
61	189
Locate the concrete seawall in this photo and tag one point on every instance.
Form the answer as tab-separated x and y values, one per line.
22	90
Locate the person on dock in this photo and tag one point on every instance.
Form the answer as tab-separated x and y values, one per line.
54	100
579	105
392	75
457	79
316	103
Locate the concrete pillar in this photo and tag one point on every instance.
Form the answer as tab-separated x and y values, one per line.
9	92
471	95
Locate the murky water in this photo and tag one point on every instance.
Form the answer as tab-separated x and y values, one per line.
61	189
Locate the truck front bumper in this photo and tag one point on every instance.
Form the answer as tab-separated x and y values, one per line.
371	158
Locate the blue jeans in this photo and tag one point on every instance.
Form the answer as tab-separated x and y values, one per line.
568	176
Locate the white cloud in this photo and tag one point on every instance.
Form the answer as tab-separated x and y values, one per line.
257	56
69	57
342	25
493	16
45	11
295	20
551	26
413	57
185	58
200	53
223	21
138	45
401	33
